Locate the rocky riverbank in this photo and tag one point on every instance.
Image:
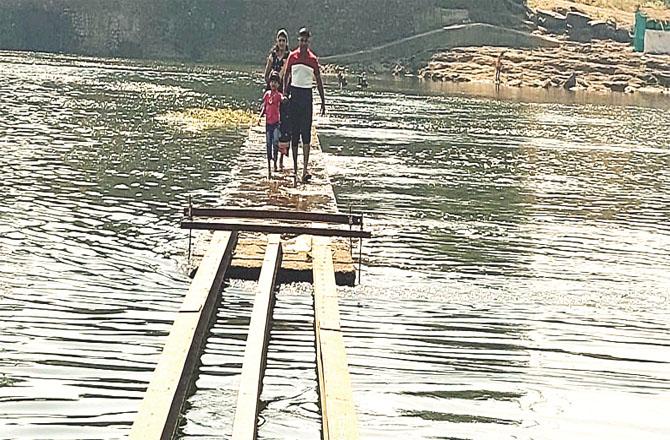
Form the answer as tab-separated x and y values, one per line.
600	66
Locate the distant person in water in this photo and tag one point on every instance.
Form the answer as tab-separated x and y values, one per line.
363	80
498	66
341	79
270	108
277	58
302	69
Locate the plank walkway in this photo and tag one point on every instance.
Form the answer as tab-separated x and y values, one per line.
250	188
245	426
272	256
337	408
159	412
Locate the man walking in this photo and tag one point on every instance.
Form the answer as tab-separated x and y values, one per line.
302	68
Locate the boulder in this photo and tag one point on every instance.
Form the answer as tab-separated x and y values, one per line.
616	86
622	35
577	20
602	30
553	22
663	78
580	35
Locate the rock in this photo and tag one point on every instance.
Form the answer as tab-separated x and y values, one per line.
578	27
657	64
622	35
616	86
620	78
580	35
602	30
551	21
577	20
514	83
651	90
648	78
630	89
570	82
548	83
663	78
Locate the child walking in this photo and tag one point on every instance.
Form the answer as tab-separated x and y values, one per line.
284	131
270	108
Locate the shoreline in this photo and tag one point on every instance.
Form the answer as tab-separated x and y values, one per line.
520	94
598	66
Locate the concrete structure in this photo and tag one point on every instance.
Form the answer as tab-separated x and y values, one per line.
656	42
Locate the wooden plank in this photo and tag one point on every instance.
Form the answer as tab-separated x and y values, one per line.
337	408
245	426
159	411
324	217
275	229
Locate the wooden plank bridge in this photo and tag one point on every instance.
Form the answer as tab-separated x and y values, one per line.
250	188
273	230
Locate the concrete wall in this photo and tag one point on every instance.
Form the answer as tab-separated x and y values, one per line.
657	42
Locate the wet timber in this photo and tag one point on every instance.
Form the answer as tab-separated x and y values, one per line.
245	426
250	188
159	411
338	414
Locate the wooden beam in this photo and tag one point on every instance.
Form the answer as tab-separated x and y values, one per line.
323	217
245	426
337	408
276	229
159	412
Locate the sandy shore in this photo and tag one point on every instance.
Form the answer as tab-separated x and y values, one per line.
602	66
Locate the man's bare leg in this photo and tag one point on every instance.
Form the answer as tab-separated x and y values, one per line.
294	153
305	157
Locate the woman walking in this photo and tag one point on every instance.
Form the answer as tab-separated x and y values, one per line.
277	59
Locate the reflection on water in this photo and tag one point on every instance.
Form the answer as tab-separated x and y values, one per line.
517	285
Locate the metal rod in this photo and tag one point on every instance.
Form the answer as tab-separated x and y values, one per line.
275	229
276	214
360	253
350	223
190	231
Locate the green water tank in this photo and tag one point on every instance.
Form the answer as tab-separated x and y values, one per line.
638	31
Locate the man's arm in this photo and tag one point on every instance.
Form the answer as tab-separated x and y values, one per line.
287	77
319	86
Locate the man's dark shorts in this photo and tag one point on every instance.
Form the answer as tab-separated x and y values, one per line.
301	116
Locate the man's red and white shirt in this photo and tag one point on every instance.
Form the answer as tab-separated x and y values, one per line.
302	68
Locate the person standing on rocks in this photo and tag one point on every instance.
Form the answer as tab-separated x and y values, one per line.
499	64
302	68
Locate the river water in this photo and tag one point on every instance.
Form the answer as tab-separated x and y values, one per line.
517	287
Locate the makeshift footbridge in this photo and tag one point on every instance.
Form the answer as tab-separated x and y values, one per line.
297	235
